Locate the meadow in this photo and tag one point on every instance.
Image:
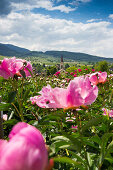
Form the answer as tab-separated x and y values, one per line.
72	110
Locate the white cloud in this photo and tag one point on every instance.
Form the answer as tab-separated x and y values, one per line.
77	2
84	1
94	20
46	4
40	32
111	16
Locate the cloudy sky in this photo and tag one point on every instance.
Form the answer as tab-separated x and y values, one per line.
70	25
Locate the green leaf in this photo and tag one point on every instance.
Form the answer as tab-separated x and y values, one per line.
64	146
60	138
92	122
96	139
110	160
4	106
110	147
10	122
89	159
33	123
88	142
75	141
104	140
25	96
69	161
1	79
11	96
79	158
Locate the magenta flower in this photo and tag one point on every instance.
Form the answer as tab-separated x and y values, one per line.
75	75
9	67
25	150
74	127
108	112
78	93
27	69
12	66
97	77
57	73
71	73
93	70
79	70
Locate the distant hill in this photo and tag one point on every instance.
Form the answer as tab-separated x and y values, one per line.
11	50
5	51
77	56
17	49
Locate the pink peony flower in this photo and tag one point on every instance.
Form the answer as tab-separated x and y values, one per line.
79	70
34	99
111	75
108	112
75	75
57	73
71	73
74	127
25	149
93	70
10	67
97	77
102	77
79	92
27	68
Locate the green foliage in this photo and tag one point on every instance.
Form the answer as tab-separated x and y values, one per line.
71	69
38	67
89	147
102	66
67	66
51	70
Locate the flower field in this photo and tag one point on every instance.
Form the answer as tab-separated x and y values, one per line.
61	122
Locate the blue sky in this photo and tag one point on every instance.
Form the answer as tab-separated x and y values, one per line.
82	11
70	25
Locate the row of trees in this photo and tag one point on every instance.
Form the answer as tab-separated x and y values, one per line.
50	70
